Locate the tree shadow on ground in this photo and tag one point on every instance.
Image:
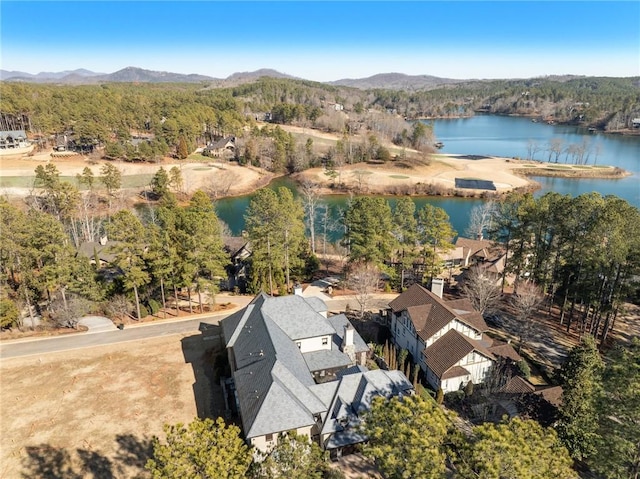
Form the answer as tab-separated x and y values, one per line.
49	462
132	451
201	352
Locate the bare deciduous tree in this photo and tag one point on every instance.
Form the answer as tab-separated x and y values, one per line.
525	302
219	184
310	199
119	307
363	279
68	312
481	219
482	290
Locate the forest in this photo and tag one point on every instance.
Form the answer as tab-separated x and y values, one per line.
167	115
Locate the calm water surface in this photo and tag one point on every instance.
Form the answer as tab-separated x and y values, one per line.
508	137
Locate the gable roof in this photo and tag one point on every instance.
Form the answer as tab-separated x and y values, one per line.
429	313
504	350
297	317
275	388
517	385
354	395
222	143
449	350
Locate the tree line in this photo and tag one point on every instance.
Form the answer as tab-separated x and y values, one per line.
581	251
167	116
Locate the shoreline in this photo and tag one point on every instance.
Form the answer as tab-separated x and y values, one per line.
439	175
622	132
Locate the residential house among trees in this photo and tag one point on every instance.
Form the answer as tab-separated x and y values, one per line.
488	255
222	148
444	337
295	369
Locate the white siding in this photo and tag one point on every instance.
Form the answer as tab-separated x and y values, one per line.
261	443
458	326
314	344
404	334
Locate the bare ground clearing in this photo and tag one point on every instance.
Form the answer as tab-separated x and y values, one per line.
93	412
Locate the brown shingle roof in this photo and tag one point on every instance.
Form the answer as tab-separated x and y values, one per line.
517	385
428	321
449	349
415	295
455	372
481	248
553	395
419	315
505	350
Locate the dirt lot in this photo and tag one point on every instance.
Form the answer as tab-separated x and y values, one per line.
93	412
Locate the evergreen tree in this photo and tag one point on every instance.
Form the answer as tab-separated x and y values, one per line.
514	449
581	385
203	449
368	223
618	450
293	457
406	437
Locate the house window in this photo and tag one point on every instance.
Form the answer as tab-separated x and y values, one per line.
269	437
325	341
299	344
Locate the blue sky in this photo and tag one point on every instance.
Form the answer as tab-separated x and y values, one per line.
325	40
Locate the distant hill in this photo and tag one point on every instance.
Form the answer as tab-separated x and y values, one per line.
82	76
244	77
133	74
396	81
47	76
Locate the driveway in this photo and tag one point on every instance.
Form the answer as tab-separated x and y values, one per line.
97	324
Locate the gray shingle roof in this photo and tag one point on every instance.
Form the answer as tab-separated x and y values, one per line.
326	359
297	318
338	322
275	389
353	396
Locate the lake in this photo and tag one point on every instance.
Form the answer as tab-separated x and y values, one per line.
508	137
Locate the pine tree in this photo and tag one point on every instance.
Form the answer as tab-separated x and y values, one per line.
581	385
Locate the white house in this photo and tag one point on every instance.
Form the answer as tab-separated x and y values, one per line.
444	337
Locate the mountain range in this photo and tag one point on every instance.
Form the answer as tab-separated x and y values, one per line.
389	81
396	81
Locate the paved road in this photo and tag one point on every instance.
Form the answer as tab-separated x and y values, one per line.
86	340
28	347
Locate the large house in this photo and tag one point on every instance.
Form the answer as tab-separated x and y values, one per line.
295	369
446	338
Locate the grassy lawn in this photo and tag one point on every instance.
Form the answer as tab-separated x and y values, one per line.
399	177
559	167
198	157
362	172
